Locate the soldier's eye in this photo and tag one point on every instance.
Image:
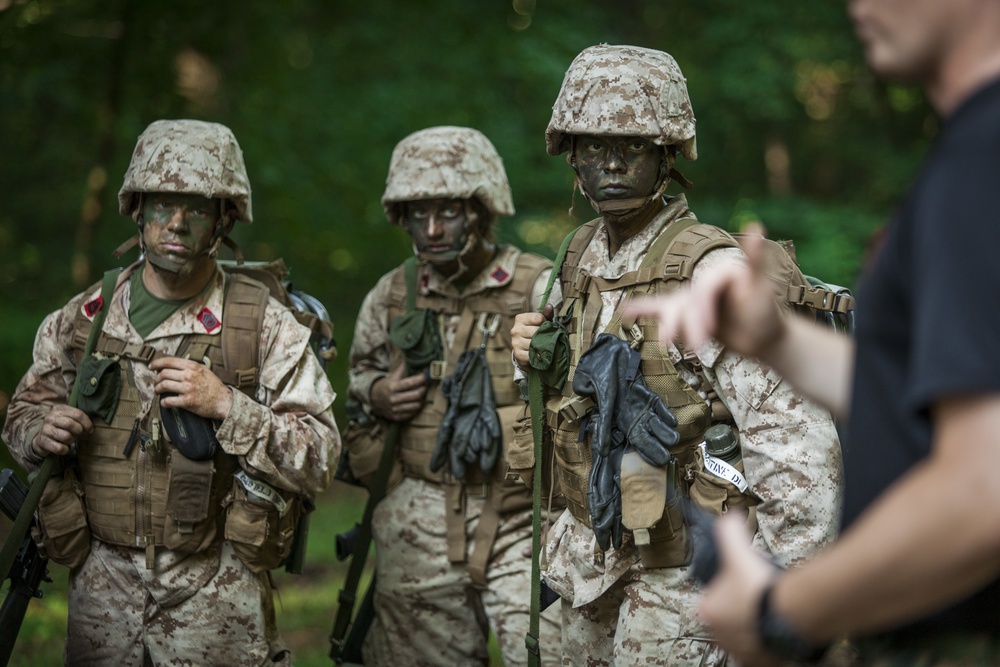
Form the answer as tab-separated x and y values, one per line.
452	211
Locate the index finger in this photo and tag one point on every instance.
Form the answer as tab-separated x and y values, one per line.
174	363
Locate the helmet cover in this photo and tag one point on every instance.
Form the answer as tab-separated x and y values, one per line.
625	91
447	162
187	157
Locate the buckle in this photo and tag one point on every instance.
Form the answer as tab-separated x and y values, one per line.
437	368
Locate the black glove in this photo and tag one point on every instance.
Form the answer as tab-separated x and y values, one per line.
627	411
604	498
470	431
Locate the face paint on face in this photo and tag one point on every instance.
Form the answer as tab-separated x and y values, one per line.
439	228
617	167
178	228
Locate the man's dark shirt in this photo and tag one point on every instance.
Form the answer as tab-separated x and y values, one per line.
929	323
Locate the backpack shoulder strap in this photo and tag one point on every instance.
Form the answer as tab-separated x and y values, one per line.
242	323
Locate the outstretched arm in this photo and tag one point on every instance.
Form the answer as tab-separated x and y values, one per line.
734	303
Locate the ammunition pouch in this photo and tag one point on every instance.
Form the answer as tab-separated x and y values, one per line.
363	445
415	334
62	532
100	386
261	522
190	524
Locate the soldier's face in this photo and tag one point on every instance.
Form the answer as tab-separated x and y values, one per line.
439	228
178	227
617	167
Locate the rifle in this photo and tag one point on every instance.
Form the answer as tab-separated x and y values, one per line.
28	570
19	559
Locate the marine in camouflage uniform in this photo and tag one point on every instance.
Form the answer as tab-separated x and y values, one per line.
151	584
450	547
623	114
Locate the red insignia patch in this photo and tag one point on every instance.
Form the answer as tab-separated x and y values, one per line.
209	320
425	280
499	275
91	307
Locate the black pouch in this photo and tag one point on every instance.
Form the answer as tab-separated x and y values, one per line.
416	335
100	386
192	435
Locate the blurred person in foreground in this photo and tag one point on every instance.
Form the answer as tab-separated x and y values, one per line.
914	578
187	454
431	353
626	419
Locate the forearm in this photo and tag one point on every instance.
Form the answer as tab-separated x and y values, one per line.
817	361
929	541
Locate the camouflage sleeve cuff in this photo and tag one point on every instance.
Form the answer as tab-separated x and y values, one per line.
28	453
246	416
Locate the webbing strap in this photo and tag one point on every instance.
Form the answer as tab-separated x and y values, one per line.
23	520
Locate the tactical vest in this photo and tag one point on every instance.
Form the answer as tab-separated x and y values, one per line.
492	308
582	303
140	491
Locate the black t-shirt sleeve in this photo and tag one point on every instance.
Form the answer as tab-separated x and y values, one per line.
956	274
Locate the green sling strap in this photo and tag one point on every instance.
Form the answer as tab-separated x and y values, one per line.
348	651
536	403
24	516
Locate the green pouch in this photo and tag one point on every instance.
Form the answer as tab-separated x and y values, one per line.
100	387
548	353
416	334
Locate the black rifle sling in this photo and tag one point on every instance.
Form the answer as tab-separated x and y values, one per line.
349	651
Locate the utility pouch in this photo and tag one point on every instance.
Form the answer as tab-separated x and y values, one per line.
189	525
549	354
519	451
100	386
62	532
260	522
415	334
192	435
669	540
645	489
363	445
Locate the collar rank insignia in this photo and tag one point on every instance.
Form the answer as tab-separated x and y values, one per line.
91	307
209	320
499	274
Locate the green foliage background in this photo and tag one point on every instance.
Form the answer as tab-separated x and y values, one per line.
792	129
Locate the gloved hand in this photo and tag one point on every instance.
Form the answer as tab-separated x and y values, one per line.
626	410
470	431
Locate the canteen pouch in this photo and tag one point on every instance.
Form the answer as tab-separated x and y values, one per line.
189	525
62	532
714	488
260	522
100	387
416	335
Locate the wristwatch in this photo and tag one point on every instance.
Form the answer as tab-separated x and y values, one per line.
780	638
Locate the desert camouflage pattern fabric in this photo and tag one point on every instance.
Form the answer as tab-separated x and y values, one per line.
190	157
287	437
791	455
429	612
626	91
176	615
447	162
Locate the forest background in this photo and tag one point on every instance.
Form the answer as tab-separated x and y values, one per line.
792	130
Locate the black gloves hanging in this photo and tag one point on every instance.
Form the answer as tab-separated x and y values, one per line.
470	431
626	413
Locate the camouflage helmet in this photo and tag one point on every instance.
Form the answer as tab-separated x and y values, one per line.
189	157
625	91
447	162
